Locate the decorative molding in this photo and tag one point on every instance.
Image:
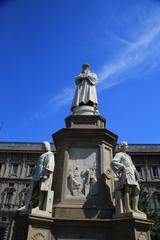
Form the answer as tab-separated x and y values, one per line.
108	173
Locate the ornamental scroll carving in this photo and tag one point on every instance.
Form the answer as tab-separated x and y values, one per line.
108	173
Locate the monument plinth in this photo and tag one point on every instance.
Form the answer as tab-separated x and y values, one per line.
33	226
84	152
82	121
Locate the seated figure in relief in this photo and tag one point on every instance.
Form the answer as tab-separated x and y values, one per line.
82	182
85	94
128	177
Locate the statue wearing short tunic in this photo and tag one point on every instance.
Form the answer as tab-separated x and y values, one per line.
129	173
42	180
85	89
44	171
44	175
128	177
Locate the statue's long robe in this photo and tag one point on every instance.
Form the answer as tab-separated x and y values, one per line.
86	91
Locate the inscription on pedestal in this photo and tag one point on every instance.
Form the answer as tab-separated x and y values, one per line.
82	173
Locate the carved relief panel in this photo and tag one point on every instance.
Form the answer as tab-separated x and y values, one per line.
82	173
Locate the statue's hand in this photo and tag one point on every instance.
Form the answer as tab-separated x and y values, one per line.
80	76
79	79
137	175
45	177
121	170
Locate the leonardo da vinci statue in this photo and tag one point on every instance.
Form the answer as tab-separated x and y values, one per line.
85	96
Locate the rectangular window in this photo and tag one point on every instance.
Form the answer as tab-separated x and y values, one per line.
30	170
140	171
9	196
4	219
155	172
27	185
0	168
11	184
14	169
158	200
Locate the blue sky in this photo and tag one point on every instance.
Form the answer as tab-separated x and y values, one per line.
42	47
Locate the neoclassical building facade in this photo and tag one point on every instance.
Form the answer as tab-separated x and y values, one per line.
17	162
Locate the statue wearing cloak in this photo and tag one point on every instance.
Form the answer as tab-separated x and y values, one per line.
86	89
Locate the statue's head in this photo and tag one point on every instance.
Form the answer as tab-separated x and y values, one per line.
123	146
85	67
46	146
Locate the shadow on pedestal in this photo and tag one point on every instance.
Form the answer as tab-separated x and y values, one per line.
33	226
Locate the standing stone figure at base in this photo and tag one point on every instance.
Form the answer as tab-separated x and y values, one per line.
85	94
42	181
128	177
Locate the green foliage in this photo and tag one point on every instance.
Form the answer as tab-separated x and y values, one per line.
144	203
34	200
145	206
155	229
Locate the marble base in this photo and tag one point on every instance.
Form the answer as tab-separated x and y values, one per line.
130	214
85	110
33	224
84	121
38	212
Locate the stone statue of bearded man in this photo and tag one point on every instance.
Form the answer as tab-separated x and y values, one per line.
41	182
128	176
85	99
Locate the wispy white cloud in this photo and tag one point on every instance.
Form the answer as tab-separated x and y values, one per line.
64	97
123	40
135	57
52	105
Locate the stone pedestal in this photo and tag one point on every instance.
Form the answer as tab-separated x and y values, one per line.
84	186
85	110
130	228
33	225
130	214
38	227
102	229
